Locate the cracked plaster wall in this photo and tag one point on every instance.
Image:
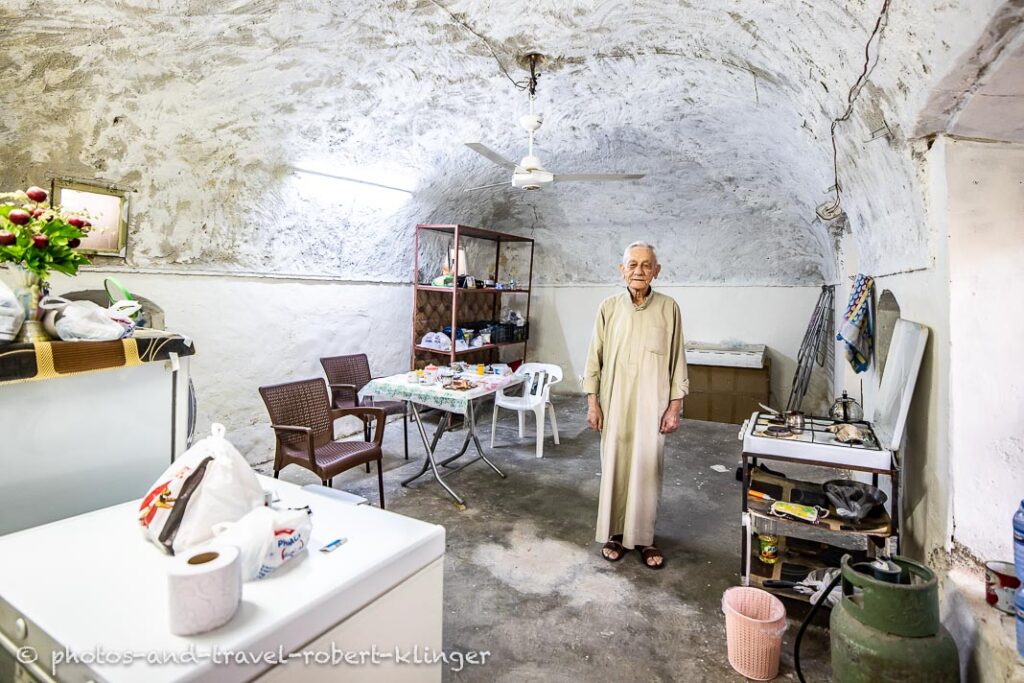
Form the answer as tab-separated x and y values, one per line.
206	108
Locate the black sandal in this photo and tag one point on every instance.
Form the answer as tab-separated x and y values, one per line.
649	553
614	546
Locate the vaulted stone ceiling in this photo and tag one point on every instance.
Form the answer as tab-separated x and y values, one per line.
206	108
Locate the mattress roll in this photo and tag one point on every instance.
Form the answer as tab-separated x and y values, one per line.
204	589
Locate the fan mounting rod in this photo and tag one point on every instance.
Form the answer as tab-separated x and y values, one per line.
529	174
532	121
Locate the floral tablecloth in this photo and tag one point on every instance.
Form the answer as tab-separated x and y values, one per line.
398	388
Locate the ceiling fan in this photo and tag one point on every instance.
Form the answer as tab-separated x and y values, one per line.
530	174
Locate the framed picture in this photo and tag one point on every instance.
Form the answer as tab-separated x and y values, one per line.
105	205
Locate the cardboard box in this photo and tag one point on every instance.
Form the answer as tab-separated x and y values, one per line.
726	394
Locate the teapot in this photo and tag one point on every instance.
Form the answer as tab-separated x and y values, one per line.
846	409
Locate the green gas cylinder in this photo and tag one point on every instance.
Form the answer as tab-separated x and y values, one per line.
883	631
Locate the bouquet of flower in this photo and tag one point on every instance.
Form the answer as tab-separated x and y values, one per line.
38	237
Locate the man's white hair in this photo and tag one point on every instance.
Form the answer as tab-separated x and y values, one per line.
639	245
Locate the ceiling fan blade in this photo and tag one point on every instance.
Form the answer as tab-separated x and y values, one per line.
572	177
486	151
484	187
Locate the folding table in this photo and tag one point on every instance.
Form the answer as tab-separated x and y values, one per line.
451	401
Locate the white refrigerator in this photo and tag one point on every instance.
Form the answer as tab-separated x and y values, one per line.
76	443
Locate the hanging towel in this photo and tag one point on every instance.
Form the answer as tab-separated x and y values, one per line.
856	329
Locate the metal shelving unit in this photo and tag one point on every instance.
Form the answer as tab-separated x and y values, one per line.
433	307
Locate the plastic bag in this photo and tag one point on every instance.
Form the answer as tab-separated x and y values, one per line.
266	538
210	483
815	583
438	341
12	315
87	321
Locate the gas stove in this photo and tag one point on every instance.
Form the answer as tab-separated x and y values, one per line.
815	431
882	435
764	434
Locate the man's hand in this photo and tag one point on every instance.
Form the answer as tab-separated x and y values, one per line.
595	416
670	420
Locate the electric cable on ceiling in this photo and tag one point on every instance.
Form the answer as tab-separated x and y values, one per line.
520	85
854	93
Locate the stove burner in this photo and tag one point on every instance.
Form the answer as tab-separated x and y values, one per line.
776	430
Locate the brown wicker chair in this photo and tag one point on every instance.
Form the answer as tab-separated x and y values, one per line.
303	421
346	375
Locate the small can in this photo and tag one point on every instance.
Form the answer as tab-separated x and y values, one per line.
769	548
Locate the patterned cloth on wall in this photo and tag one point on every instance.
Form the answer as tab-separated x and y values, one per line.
857	329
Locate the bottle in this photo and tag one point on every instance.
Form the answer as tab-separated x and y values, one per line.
1018	541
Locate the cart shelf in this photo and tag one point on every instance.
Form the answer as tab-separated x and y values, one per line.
831	529
794	556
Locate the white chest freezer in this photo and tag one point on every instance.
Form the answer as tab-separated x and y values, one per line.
90	589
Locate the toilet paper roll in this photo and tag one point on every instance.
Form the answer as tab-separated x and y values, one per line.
204	589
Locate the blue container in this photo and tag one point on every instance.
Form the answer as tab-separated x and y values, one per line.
1020	621
1018	541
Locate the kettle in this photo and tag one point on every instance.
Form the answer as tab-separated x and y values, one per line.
846	409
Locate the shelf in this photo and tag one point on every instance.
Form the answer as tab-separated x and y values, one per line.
762	522
485	347
788	565
475	290
831	529
470	231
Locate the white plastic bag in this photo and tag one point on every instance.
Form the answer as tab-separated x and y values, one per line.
210	483
12	315
438	341
88	321
266	538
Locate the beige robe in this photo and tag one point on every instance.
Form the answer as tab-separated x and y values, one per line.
636	365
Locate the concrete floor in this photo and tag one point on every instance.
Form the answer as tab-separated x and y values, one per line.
524	578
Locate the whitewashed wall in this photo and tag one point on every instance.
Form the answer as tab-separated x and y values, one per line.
923	297
210	109
963	454
250	332
986	253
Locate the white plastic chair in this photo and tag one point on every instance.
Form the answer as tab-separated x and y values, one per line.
536	397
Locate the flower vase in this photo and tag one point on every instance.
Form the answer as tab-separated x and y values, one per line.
31	290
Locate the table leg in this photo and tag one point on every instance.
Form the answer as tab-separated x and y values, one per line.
429	462
462	450
427	446
476	440
471	434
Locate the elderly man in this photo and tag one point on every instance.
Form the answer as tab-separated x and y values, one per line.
635	381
